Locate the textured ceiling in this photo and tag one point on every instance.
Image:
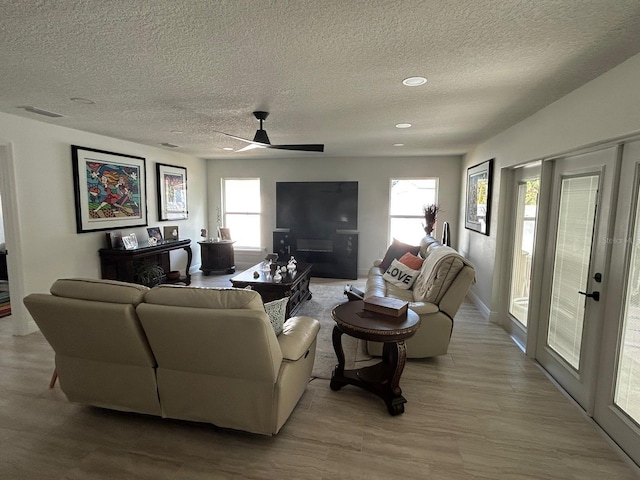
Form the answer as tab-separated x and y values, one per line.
328	71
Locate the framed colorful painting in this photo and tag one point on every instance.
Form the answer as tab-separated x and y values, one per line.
172	192
110	190
478	205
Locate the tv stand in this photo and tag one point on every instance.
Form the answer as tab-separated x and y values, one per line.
332	256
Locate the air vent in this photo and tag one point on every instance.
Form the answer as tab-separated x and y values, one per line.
39	111
170	145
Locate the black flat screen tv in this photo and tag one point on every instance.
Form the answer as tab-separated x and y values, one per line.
317	208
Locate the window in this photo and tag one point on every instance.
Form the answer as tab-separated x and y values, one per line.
407	199
241	207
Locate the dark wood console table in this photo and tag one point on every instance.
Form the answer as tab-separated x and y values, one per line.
120	264
382	379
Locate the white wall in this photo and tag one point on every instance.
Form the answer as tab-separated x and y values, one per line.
373	176
604	109
49	245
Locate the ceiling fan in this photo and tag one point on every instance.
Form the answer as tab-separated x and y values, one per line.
261	140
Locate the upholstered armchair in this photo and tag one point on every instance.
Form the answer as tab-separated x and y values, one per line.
440	288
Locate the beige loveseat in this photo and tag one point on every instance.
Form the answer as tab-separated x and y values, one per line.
201	354
436	295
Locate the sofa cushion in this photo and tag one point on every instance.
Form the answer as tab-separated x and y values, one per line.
396	250
439	270
204	297
400	275
277	311
98	290
411	261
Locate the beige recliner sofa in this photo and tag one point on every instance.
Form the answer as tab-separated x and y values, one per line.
201	354
438	292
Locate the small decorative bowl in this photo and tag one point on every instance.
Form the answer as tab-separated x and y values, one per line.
173	275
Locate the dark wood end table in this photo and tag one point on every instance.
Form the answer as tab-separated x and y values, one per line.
217	257
295	286
383	378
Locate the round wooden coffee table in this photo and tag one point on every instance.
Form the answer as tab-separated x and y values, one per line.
383	378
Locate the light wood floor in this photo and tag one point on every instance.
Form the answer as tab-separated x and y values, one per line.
483	411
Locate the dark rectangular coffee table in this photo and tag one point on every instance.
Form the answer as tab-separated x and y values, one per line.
295	286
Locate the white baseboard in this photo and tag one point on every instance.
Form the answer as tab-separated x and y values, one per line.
484	310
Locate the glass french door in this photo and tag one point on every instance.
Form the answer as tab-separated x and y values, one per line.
575	272
617	407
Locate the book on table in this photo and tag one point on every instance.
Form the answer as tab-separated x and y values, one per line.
386	306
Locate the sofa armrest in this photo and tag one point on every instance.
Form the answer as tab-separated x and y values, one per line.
297	336
424	308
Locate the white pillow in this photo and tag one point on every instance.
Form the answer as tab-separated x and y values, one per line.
400	275
277	310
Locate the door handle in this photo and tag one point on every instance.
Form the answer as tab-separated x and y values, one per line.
594	295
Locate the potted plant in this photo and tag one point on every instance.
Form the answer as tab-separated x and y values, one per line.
149	274
430	217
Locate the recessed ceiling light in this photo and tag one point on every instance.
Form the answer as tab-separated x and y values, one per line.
398	144
177	131
228	149
414	81
86	101
403	125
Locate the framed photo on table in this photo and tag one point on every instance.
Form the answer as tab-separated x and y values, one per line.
172	192
478	202
171	233
225	233
110	190
154	232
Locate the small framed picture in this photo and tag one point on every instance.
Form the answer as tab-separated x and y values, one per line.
172	192
171	233
116	239
478	207
154	232
225	233
130	241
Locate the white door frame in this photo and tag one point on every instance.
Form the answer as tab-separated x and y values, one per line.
22	323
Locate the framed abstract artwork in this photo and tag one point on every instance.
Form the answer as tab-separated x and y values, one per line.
172	192
478	205
110	190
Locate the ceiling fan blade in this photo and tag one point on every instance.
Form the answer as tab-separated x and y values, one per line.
251	146
312	147
235	136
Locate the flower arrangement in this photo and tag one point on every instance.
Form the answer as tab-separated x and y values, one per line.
430	217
